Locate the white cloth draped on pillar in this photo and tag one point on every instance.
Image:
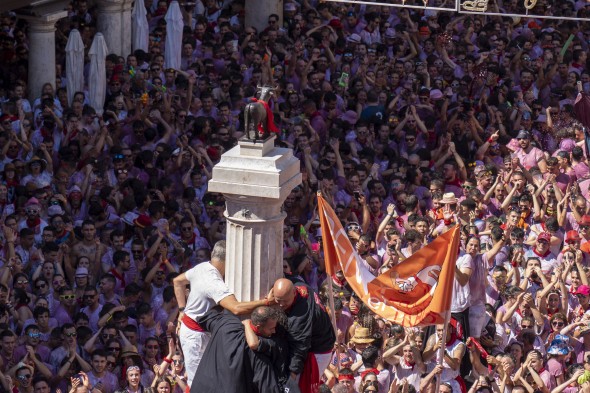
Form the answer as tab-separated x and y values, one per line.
97	77
141	28
174	27
74	64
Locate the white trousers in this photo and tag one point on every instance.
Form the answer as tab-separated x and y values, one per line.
193	346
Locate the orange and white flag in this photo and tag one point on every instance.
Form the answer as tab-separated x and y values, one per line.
416	292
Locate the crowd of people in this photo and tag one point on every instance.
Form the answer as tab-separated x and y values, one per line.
408	121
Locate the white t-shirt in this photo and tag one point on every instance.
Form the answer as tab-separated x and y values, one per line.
461	301
207	289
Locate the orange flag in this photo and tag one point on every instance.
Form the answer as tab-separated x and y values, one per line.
415	292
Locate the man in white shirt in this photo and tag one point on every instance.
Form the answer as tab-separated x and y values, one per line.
207	289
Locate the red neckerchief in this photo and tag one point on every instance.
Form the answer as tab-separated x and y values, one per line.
525	89
45	133
193	238
550	311
254	329
408	364
455	182
34	224
452	339
539	255
371	370
337	281
120	277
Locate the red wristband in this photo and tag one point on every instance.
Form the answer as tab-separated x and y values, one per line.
490	140
169	361
448	222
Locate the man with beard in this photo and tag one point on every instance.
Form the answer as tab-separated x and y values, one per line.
529	156
310	333
242	356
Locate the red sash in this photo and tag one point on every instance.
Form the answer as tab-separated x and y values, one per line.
191	324
309	380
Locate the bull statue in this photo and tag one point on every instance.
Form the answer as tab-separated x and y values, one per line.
258	117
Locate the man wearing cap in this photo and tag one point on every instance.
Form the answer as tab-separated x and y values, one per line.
542	250
528	156
207	289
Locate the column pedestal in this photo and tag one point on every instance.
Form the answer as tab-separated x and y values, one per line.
42	52
258	11
114	22
255	179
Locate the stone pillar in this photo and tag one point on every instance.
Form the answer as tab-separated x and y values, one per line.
114	22
258	11
126	35
255	179
42	51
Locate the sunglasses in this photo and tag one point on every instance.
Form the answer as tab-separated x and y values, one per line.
71	334
22	282
113	349
68	297
556	323
23	377
40	286
34	335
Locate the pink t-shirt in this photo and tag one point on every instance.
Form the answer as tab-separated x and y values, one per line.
530	159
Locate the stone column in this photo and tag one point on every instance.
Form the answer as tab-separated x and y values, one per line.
258	11
126	35
255	179
114	22
42	51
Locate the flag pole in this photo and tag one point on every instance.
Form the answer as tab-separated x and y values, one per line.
441	350
330	288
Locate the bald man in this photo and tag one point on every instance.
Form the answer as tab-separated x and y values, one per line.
311	335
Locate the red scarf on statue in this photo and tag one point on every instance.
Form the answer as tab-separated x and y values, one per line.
309	380
269	117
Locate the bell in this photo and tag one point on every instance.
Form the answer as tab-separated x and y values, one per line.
475	5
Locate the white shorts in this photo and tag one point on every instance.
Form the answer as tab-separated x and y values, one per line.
193	346
477	319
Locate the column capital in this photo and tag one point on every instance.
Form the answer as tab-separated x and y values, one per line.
45	22
111	6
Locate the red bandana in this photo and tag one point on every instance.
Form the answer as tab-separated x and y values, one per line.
368	371
254	329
